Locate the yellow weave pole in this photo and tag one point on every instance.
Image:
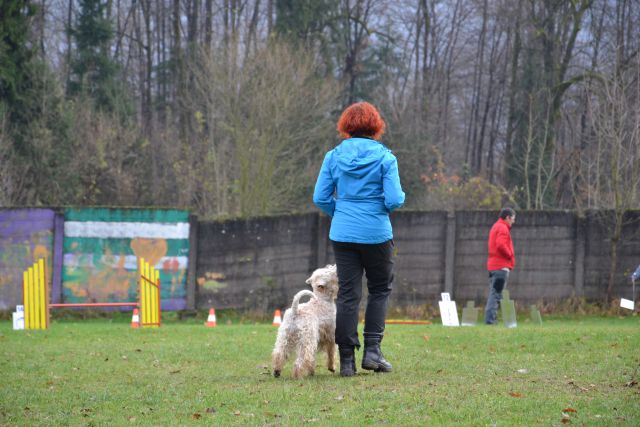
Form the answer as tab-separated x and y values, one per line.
149	279
44	296
35	297
143	288
37	324
26	298
147	295
156	300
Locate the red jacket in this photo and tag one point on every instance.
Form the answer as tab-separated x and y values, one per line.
501	252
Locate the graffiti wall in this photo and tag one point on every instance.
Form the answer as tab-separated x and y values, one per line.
101	248
26	235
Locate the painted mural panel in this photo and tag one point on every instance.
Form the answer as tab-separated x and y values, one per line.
26	235
101	247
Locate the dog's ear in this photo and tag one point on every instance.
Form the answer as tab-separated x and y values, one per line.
308	281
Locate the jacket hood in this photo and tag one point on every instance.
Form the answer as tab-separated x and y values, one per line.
356	156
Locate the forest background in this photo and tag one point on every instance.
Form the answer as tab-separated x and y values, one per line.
226	107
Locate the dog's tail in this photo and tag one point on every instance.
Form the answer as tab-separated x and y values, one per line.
296	299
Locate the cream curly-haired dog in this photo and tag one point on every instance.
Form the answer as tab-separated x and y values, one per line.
309	327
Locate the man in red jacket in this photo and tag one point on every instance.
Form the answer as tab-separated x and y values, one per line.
500	262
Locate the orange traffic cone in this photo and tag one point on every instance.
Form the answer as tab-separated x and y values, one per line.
135	319
211	320
277	318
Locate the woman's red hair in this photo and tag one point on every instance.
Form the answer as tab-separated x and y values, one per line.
361	119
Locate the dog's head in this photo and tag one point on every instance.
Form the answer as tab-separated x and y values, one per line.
324	281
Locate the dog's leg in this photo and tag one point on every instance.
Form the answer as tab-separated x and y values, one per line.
306	353
309	350
279	356
305	363
299	365
330	347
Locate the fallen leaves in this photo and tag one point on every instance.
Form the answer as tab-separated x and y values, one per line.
515	394
566	418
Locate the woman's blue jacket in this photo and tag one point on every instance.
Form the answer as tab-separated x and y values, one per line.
358	186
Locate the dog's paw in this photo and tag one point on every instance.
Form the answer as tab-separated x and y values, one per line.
332	369
276	373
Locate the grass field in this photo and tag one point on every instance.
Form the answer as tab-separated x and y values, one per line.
581	371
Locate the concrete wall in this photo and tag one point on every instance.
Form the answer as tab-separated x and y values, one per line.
91	253
26	235
102	247
597	232
261	263
545	253
255	264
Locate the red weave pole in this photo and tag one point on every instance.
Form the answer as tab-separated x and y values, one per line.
96	304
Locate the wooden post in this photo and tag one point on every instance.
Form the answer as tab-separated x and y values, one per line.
450	253
578	260
192	266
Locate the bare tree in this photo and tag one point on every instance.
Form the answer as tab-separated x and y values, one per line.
262	127
612	170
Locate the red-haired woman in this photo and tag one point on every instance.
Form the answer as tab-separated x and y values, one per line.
358	186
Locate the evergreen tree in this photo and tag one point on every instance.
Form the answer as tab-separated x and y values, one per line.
16	55
93	72
303	20
36	149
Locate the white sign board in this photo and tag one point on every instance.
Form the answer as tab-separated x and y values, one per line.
448	311
18	320
626	303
